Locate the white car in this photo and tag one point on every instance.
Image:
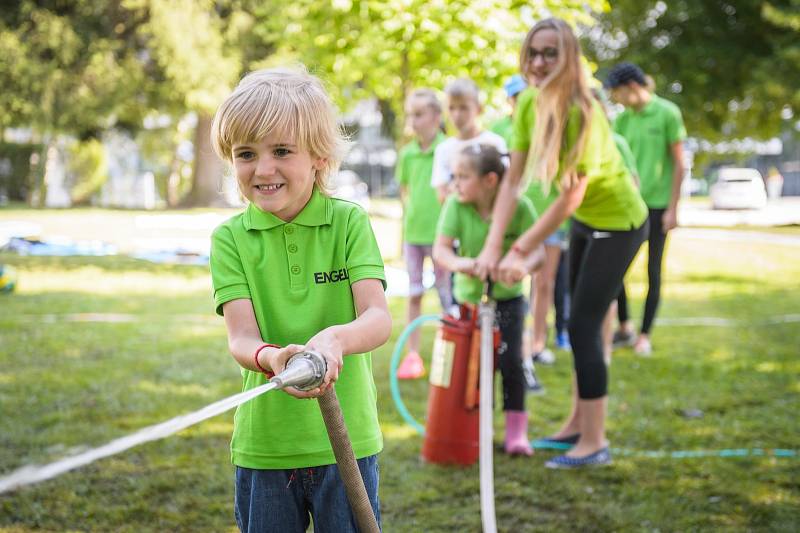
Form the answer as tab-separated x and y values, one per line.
738	188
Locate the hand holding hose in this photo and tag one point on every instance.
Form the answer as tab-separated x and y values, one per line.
487	261
512	267
327	344
517	264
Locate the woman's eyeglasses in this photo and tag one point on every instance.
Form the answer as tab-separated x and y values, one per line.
549	54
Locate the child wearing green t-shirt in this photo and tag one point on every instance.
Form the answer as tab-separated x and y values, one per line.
421	209
655	133
297	270
466	218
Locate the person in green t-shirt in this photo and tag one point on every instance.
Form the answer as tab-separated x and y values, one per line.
297	270
571	149
465	219
655	132
421	209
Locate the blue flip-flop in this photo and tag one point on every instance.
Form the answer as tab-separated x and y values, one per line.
553	443
598	458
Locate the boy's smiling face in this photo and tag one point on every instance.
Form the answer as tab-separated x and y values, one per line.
276	175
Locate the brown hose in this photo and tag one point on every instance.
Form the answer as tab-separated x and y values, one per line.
348	467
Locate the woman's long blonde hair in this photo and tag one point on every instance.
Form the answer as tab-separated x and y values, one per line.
564	87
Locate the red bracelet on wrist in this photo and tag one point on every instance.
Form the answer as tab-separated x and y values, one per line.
517	248
268	373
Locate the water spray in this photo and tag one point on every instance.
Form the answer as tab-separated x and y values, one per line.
304	371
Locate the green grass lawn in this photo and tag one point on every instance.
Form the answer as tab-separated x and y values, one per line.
68	381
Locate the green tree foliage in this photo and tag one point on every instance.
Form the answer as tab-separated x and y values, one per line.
732	66
72	67
201	48
82	66
384	48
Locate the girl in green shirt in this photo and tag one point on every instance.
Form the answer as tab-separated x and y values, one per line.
465	218
572	149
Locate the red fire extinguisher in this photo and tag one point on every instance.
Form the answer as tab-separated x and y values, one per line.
451	428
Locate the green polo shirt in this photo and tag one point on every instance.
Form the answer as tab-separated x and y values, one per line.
461	221
504	128
298	275
650	133
414	169
611	200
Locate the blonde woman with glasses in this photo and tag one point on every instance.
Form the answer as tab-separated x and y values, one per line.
563	140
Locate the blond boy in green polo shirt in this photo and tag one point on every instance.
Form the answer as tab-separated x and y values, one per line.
421	209
655	133
296	270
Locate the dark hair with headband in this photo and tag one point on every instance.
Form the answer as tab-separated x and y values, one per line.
485	158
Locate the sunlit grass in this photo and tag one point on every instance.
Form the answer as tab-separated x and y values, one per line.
94	348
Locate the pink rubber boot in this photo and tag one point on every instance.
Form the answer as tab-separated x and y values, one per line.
517	442
411	367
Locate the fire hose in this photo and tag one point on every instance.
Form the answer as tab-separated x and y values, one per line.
486	318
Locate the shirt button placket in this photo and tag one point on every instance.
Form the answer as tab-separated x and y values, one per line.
295	270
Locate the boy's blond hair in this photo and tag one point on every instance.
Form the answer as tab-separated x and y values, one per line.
463	88
288	102
427	97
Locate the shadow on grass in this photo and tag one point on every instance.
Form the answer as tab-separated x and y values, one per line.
740	280
114	263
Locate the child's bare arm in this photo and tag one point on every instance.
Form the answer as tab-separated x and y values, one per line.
445	257
369	330
244	338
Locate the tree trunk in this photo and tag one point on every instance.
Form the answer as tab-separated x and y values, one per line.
208	170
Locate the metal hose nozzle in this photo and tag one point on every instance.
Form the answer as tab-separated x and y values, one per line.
304	371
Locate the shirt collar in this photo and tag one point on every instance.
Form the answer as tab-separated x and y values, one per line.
317	212
649	106
436	140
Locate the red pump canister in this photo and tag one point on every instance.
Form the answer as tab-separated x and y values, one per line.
451	427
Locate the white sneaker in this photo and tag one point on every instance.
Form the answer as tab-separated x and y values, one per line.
531	381
643	348
546	357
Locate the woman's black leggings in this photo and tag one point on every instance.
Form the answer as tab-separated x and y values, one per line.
510	318
655	254
561	292
598	260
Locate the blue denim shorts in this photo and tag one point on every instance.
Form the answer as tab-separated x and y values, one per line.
285	501
557	238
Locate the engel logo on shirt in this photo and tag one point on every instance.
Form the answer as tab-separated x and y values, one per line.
331	277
